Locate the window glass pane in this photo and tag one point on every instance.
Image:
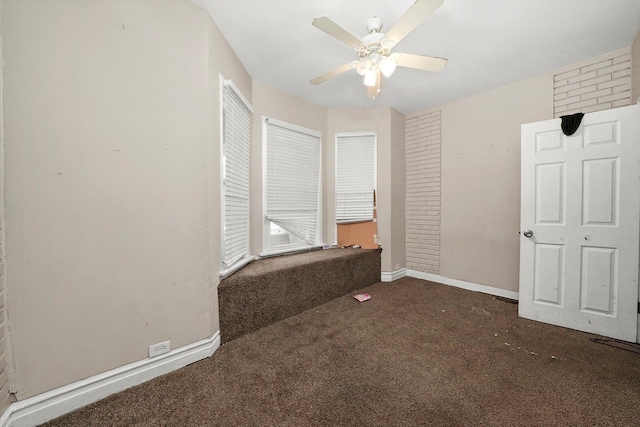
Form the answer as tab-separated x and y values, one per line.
281	237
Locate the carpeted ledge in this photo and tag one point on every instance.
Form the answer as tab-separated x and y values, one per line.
272	289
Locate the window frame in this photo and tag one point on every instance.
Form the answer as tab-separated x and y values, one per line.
226	270
267	248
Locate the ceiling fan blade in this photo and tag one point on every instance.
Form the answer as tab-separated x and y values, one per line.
412	18
339	70
427	63
335	30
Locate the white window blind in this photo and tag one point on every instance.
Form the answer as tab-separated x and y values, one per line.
293	179
355	177
235	176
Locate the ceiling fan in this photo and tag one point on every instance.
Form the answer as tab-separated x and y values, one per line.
374	50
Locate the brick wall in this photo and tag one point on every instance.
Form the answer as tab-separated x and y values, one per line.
422	142
598	84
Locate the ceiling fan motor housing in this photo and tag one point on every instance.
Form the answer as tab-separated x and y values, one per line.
374	25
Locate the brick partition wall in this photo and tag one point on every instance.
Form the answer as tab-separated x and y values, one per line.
422	141
598	84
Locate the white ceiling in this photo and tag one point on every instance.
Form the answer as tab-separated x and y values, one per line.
488	43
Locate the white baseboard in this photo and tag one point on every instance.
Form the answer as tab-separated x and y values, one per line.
54	403
464	285
387	276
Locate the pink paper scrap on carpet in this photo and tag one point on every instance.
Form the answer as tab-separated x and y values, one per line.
362	297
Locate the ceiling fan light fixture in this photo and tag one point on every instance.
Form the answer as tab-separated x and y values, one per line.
387	66
369	78
363	66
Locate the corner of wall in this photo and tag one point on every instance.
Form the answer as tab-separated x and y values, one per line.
222	61
635	70
5	397
398	191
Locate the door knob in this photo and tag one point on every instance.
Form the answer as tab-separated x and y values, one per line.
528	233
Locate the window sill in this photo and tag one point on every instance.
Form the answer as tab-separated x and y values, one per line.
237	266
289	251
356	221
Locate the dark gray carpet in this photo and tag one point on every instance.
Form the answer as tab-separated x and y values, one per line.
417	353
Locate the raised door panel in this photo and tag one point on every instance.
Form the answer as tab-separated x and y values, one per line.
599	280
547	141
548	274
600	183
601	133
550	193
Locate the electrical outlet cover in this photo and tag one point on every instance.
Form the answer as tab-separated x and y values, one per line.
160	348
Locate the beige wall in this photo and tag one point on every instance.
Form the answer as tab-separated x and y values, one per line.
480	162
635	69
273	103
4	365
480	182
386	122
111	144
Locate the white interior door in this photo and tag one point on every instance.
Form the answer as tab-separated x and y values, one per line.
580	222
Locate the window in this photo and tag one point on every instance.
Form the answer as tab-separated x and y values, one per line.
355	177
236	139
291	186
